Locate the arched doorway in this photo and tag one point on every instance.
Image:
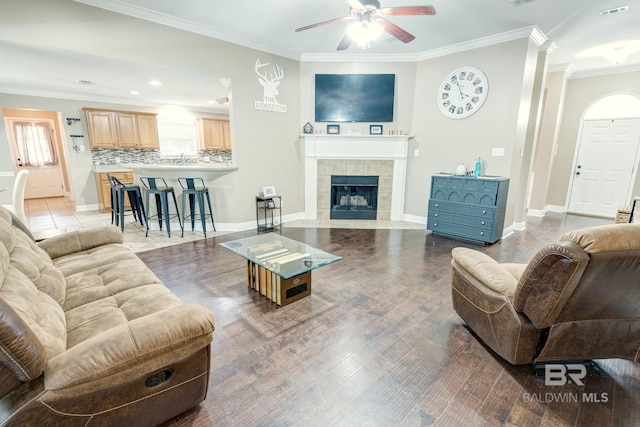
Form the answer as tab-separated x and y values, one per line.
607	156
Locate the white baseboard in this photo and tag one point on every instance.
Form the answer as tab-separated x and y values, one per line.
516	226
415	218
86	208
536	213
555	208
548	208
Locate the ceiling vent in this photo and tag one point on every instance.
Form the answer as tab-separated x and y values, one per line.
615	10
85	82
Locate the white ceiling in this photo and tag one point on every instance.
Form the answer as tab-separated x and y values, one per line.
573	25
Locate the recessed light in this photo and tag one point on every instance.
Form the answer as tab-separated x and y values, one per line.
211	102
155	83
134	92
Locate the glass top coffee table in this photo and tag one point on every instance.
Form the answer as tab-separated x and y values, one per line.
278	267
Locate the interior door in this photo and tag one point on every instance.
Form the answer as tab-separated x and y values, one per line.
45	180
605	166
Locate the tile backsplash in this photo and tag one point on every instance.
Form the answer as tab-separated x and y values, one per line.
107	156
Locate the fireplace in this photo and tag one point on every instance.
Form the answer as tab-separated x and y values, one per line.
355	155
354	197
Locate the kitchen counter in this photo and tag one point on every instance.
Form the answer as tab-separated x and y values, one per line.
159	167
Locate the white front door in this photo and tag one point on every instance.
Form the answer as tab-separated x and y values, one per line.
45	180
605	166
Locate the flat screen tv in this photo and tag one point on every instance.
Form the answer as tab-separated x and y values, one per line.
354	97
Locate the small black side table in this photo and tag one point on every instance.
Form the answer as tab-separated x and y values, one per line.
265	206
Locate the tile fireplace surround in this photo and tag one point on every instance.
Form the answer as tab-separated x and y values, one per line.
381	155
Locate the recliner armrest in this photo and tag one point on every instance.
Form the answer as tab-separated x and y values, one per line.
484	269
81	240
549	280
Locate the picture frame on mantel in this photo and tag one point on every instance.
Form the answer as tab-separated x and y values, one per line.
375	129
333	129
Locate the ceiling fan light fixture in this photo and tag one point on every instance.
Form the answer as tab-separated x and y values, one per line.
363	32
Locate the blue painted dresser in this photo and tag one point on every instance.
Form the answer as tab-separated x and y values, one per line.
468	208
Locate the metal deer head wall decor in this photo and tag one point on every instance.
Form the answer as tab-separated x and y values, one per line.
269	79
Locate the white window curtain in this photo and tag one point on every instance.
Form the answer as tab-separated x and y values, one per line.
35	143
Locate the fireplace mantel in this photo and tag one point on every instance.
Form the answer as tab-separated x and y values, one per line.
356	147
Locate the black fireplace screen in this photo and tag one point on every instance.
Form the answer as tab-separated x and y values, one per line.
354	197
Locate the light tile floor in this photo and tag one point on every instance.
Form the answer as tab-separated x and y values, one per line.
59	213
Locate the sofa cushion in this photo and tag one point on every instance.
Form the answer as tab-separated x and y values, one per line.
108	286
31	292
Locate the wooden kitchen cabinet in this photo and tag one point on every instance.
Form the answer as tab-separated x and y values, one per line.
102	129
147	131
104	188
122	129
214	134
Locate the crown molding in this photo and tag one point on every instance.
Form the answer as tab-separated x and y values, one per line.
138	12
531	32
182	24
359	57
605	71
567	69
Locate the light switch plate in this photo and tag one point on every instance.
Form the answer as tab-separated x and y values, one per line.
497	152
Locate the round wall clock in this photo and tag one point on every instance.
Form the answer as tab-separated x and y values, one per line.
463	92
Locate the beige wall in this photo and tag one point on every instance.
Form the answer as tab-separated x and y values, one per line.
265	144
581	93
404	91
546	144
444	143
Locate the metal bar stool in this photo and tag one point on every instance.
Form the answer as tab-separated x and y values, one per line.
159	188
195	189
118	190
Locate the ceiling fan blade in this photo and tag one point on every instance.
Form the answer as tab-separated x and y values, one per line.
408	10
330	21
355	4
345	43
395	31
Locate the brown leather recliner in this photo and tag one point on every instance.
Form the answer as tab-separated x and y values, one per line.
577	299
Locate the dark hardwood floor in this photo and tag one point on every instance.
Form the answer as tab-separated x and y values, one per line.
377	343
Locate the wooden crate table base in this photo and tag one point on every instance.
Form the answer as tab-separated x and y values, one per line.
279	268
279	290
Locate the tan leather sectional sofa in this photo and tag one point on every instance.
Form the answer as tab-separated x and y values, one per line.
90	336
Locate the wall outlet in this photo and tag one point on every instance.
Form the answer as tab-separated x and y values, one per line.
117	160
416	152
81	147
497	152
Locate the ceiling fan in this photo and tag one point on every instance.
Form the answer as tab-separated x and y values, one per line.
371	22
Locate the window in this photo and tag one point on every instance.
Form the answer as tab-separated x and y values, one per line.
615	106
34	141
177	138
